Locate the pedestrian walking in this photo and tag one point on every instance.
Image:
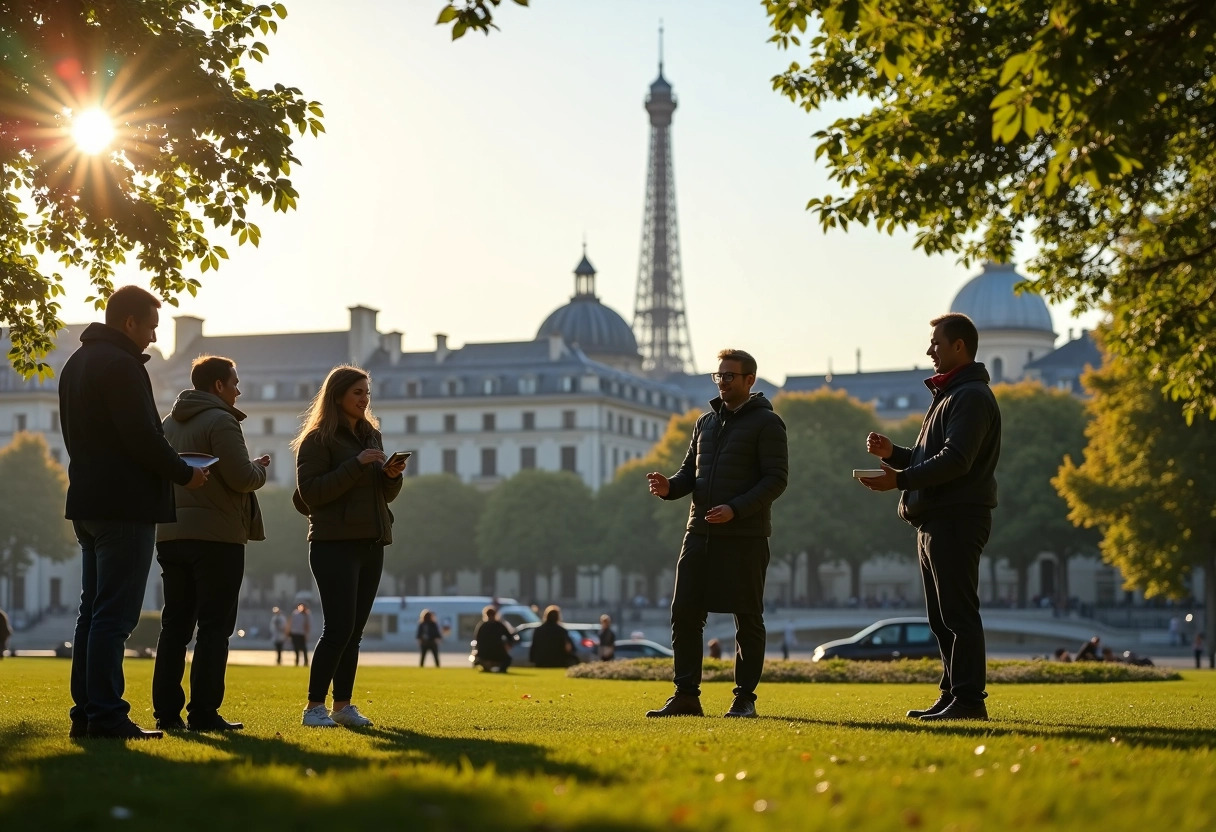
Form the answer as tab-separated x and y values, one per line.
736	466
298	631
428	637
949	491
607	639
278	633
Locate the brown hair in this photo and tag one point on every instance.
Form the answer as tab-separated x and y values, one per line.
748	363
206	370
958	327
324	415
129	302
553	613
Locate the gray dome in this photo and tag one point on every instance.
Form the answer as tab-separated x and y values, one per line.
989	301
593	326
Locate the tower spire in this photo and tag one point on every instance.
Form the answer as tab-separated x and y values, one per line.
658	318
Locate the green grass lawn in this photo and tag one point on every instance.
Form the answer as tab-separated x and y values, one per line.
534	750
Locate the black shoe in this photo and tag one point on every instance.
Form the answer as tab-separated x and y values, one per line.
123	731
79	729
171	723
959	710
682	704
937	707
743	706
215	722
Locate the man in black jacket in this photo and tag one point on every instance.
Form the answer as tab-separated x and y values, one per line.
949	490
736	466
120	476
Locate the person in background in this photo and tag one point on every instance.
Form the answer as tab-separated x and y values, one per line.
494	641
1197	646
715	648
428	637
202	553
278	633
607	639
6	631
551	645
299	630
346	483
121	473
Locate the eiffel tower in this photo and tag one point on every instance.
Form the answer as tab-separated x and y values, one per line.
658	317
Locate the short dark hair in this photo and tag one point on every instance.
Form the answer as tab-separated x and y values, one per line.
958	327
489	613
553	613
206	370
129	302
745	359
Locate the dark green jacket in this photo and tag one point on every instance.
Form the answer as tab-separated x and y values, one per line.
346	499
953	464
738	459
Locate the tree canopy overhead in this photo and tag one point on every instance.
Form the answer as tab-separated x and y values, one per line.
193	144
1084	126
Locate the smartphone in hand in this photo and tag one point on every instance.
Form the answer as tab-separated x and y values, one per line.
397	456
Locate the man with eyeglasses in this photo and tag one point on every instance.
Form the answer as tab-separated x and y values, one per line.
736	466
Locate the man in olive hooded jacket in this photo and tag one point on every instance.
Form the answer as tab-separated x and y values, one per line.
202	554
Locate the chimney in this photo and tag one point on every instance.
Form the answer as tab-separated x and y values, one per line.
390	342
187	330
363	339
441	348
556	345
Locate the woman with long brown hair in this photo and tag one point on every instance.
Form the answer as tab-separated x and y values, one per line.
346	487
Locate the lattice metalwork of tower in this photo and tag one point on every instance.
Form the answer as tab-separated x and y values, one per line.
659	320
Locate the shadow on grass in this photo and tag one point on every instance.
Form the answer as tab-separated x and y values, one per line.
417	781
1150	736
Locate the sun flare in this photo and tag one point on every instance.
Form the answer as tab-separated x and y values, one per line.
92	131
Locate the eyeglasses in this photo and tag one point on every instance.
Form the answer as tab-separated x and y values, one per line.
725	378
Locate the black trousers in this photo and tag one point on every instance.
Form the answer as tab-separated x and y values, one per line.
202	581
949	549
719	575
432	648
347	574
299	646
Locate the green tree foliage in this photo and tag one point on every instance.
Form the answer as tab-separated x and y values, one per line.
1085	125
634	527
33	488
536	522
1039	429
195	144
824	513
471	16
1146	483
285	549
434	529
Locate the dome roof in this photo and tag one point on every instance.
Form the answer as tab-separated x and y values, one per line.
593	326
989	301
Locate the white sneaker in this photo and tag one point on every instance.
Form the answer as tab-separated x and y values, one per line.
318	717
350	717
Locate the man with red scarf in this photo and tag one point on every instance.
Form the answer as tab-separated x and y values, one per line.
949	491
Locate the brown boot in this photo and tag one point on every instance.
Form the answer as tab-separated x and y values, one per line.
682	704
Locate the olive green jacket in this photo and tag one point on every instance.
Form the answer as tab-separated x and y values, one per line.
346	499
224	510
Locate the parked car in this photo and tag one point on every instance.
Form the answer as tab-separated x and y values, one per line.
886	640
641	648
584	637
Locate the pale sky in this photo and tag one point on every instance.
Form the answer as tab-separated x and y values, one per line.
456	181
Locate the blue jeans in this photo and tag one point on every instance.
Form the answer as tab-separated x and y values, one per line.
113	576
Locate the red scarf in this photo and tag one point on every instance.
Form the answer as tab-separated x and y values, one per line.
940	380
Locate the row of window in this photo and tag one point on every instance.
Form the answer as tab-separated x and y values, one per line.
21	422
489	423
489	461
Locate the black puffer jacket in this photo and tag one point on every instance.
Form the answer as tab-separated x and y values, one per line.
738	459
953	464
121	467
346	499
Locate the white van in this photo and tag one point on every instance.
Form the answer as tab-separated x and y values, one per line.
394	619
